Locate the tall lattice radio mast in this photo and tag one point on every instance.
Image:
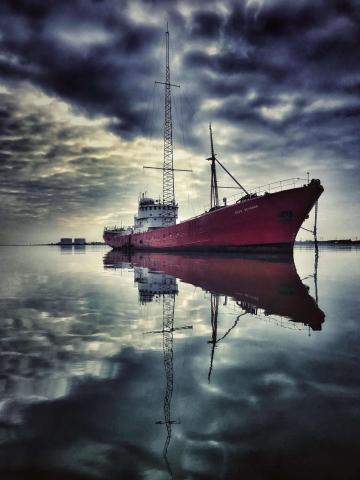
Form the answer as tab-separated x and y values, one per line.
168	170
168	165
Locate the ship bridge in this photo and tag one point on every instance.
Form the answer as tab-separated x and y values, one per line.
153	214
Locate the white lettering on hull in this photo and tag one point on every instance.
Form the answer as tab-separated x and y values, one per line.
245	209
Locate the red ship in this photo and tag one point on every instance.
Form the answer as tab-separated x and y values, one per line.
258	220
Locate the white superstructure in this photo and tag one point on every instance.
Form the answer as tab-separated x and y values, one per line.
154	214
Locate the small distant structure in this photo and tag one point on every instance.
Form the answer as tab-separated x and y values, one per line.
79	241
66	241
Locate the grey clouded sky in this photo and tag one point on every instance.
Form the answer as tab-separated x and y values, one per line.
80	115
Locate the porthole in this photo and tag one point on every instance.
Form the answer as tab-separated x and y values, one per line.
286	215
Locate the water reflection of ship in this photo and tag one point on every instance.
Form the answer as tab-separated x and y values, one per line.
251	309
265	287
156	285
258	287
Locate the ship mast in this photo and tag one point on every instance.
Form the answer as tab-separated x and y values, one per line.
214	195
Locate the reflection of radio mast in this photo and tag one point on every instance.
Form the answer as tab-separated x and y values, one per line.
214	325
168	334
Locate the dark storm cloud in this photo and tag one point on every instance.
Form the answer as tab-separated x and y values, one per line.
206	24
98	56
87	52
303	49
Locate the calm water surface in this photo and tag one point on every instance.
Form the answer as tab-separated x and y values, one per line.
163	366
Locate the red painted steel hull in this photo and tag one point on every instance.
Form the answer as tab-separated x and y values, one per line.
272	284
250	224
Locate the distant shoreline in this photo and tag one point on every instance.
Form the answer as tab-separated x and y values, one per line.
304	243
52	244
337	243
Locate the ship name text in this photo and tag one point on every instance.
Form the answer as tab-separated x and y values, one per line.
245	209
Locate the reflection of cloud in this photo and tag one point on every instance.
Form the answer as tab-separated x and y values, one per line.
254	7
274	393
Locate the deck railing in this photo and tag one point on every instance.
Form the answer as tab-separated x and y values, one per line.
278	185
115	227
273	187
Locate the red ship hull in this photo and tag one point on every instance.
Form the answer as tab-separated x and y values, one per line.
269	222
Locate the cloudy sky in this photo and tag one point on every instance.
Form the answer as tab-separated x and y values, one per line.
80	114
